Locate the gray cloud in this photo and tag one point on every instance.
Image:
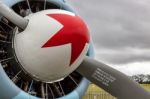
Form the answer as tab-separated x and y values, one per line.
117	25
122	56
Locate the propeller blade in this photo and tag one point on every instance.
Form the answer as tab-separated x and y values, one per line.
111	80
12	16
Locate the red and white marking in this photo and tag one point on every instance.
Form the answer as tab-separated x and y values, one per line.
53	44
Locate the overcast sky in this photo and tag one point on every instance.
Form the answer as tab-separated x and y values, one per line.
120	31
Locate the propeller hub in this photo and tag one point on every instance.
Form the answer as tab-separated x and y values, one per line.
53	44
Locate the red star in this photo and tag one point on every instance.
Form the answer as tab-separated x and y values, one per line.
74	31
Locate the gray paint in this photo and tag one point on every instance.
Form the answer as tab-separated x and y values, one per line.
111	80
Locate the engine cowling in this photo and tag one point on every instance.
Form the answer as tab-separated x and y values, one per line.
17	84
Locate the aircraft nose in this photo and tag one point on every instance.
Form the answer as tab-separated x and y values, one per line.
52	46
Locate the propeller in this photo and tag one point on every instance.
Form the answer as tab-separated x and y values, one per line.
12	16
111	80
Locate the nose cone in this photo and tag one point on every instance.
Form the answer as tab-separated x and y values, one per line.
53	45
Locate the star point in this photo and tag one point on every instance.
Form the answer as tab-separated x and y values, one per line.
74	31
